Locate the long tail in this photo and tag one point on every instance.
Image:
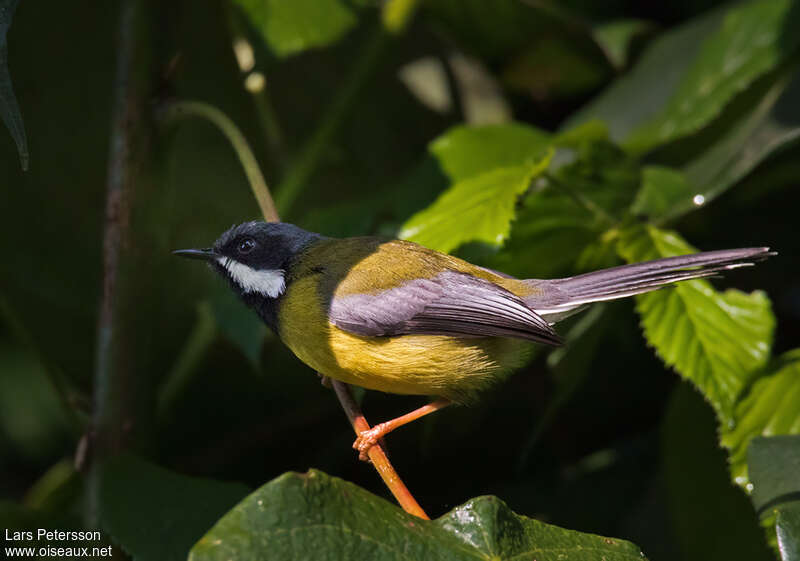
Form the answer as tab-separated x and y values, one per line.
562	297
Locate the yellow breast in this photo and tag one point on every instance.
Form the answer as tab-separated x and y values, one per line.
451	367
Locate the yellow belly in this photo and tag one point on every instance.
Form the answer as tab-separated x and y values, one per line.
451	367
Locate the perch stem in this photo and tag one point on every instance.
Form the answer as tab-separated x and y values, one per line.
376	454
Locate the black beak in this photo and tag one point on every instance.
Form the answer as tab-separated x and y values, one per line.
207	254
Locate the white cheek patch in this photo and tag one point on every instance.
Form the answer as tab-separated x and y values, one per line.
269	282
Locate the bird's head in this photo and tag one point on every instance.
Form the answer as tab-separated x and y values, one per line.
254	256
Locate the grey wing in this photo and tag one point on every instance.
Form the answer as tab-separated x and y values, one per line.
451	303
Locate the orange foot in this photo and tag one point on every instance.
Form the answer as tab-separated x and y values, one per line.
369	438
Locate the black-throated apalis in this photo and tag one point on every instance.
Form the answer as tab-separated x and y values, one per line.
394	316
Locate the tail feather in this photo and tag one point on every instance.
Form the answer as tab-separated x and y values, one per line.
560	297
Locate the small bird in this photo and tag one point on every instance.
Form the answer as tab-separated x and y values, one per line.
394	316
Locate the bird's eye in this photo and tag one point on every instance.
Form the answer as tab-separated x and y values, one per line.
246	245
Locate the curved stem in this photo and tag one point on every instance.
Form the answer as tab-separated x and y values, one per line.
258	184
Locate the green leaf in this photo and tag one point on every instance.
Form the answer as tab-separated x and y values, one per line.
155	514
771	125
616	37
292	27
662	189
787	528
768	409
485	202
755	38
315	516
774	469
711	518
464	152
717	340
490	167
9	108
550	232
638	96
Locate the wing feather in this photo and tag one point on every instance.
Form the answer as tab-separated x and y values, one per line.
451	303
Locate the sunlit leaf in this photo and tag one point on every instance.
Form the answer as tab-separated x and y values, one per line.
315	516
715	339
486	202
292	27
464	152
9	108
490	166
755	38
769	408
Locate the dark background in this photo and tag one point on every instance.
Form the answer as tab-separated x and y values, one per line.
632	452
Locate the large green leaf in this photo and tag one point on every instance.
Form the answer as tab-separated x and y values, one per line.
464	152
638	96
156	514
490	168
315	516
769	408
715	339
9	108
292	27
755	38
485	202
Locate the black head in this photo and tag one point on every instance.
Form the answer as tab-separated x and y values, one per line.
254	256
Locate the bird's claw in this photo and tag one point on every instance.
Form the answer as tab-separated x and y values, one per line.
366	440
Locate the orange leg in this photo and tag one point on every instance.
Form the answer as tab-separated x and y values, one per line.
368	438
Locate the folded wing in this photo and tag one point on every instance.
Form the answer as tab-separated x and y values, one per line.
450	303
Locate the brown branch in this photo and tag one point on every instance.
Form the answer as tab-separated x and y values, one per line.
376	454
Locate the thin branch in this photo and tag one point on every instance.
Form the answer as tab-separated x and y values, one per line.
376	454
177	109
122	406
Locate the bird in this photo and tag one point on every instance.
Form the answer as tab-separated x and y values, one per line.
395	316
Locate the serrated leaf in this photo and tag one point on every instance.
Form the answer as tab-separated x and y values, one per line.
547	237
769	408
464	152
485	203
9	108
292	27
155	514
755	38
717	340
315	516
